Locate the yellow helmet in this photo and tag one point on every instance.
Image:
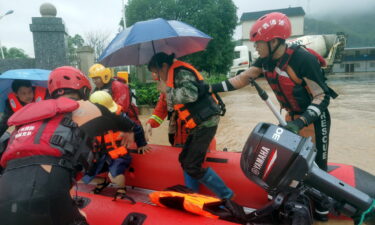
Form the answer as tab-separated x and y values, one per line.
104	98
98	70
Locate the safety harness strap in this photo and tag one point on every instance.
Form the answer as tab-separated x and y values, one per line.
39	160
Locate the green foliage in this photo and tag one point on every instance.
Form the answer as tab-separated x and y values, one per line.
139	10
214	78
74	43
146	93
14	53
216	18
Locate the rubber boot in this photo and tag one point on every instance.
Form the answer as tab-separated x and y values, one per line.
191	183
216	184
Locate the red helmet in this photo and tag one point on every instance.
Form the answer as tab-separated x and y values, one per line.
271	26
67	77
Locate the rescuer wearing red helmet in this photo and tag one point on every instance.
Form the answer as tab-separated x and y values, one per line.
48	147
296	77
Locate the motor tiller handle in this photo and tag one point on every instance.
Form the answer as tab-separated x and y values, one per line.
264	96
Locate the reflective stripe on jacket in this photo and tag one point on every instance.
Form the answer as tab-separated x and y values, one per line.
160	112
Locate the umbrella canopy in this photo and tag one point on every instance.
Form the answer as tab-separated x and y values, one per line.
136	44
37	77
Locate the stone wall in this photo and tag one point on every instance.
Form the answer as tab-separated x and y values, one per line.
11	64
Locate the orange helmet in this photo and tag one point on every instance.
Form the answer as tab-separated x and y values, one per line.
271	26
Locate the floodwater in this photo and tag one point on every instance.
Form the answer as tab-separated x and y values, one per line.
352	137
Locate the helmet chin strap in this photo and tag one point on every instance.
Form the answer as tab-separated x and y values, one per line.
270	55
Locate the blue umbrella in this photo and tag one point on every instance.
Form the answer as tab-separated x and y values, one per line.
37	77
136	44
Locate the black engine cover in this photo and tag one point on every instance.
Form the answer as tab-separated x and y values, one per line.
275	158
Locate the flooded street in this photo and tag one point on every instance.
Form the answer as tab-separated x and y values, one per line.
352	136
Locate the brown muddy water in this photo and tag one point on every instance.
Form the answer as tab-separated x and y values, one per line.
352	137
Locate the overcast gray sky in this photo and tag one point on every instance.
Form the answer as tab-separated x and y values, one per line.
83	16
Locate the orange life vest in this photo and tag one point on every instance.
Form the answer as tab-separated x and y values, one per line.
112	140
15	104
192	202
195	112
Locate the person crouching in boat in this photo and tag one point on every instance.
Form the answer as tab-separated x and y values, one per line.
200	113
109	150
48	147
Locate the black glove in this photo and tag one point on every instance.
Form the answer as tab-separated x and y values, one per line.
295	126
203	88
139	136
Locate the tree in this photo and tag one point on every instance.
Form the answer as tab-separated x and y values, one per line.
74	43
14	53
216	18
139	10
97	40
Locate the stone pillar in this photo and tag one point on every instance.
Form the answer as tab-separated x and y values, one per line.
142	72
86	58
50	44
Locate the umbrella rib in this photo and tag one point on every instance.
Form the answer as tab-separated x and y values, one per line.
172	28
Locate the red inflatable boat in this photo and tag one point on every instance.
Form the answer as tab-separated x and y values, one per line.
160	169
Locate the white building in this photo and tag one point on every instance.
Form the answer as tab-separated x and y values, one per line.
295	14
356	60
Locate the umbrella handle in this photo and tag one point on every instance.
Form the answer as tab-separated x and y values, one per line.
153	47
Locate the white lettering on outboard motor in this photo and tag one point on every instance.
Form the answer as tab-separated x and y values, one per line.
259	161
277	134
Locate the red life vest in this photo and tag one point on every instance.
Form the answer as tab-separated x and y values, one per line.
44	128
284	83
132	110
15	104
196	112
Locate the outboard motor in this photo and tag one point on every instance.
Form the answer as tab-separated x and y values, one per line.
282	162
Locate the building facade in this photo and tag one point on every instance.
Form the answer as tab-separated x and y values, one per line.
356	60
